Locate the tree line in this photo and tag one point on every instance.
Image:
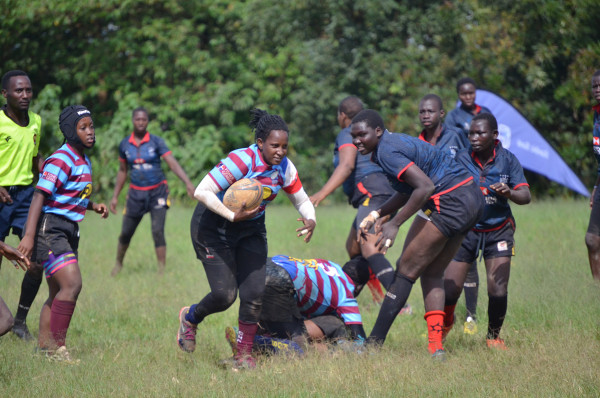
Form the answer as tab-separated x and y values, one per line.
200	66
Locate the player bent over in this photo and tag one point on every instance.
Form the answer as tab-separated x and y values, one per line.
52	231
501	178
306	300
233	245
432	185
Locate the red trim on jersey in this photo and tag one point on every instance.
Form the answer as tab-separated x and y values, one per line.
508	220
436	197
122	160
422	137
523	184
345	145
147	188
596	108
295	187
403	170
166	153
477	109
143	141
476	158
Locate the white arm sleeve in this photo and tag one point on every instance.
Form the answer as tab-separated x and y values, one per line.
206	193
302	203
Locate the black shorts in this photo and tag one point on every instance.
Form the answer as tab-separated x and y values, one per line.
459	210
497	243
594	225
56	234
210	231
369	195
141	202
14	215
332	326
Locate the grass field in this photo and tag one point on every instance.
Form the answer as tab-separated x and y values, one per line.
124	328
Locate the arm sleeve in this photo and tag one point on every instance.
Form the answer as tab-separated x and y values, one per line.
302	203
206	193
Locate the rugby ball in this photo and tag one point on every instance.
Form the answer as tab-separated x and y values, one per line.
246	190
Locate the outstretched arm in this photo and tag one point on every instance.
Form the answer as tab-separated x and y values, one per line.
340	174
302	203
179	172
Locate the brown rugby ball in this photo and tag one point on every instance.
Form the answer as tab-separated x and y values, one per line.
247	190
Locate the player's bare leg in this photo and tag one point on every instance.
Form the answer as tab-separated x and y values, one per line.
593	245
161	257
121	250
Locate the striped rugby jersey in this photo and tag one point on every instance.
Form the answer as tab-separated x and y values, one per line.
248	163
321	288
67	179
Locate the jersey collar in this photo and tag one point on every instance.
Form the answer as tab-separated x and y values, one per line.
474	155
596	108
143	141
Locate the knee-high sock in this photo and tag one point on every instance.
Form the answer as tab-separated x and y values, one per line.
395	299
382	269
435	326
245	338
496	314
471	288
60	318
29	289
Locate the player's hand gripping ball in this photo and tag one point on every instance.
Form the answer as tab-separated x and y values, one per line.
247	190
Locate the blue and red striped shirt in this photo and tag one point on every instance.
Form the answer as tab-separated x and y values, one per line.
321	288
248	163
67	179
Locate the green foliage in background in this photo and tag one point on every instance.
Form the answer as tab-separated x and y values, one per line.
200	66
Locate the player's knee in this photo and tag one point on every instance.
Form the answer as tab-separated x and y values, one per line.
452	289
158	235
592	242
224	298
125	239
71	289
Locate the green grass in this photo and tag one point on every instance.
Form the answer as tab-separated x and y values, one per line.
124	329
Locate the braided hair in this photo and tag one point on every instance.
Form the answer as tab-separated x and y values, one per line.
488	117
263	123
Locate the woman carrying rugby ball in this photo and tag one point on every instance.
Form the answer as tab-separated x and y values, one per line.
233	245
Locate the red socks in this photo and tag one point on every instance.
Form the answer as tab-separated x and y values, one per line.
435	323
245	338
60	318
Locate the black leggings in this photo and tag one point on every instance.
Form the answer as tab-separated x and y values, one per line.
234	256
130	224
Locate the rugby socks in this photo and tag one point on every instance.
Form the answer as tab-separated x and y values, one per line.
471	288
382	269
449	316
29	289
496	314
435	325
245	338
191	316
60	318
395	299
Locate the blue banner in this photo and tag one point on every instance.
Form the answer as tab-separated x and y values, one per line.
528	145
